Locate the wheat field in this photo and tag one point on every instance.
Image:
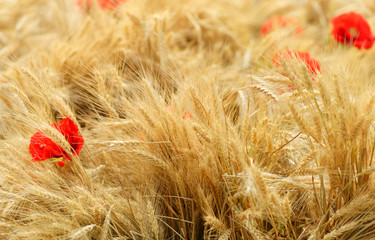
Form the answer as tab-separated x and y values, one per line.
190	129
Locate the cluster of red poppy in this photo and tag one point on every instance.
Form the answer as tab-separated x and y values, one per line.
348	28
312	64
42	147
352	28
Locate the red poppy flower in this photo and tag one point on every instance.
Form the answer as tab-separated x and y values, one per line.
352	28
42	147
312	64
277	22
103	4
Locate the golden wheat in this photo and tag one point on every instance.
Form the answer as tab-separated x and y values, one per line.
190	129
